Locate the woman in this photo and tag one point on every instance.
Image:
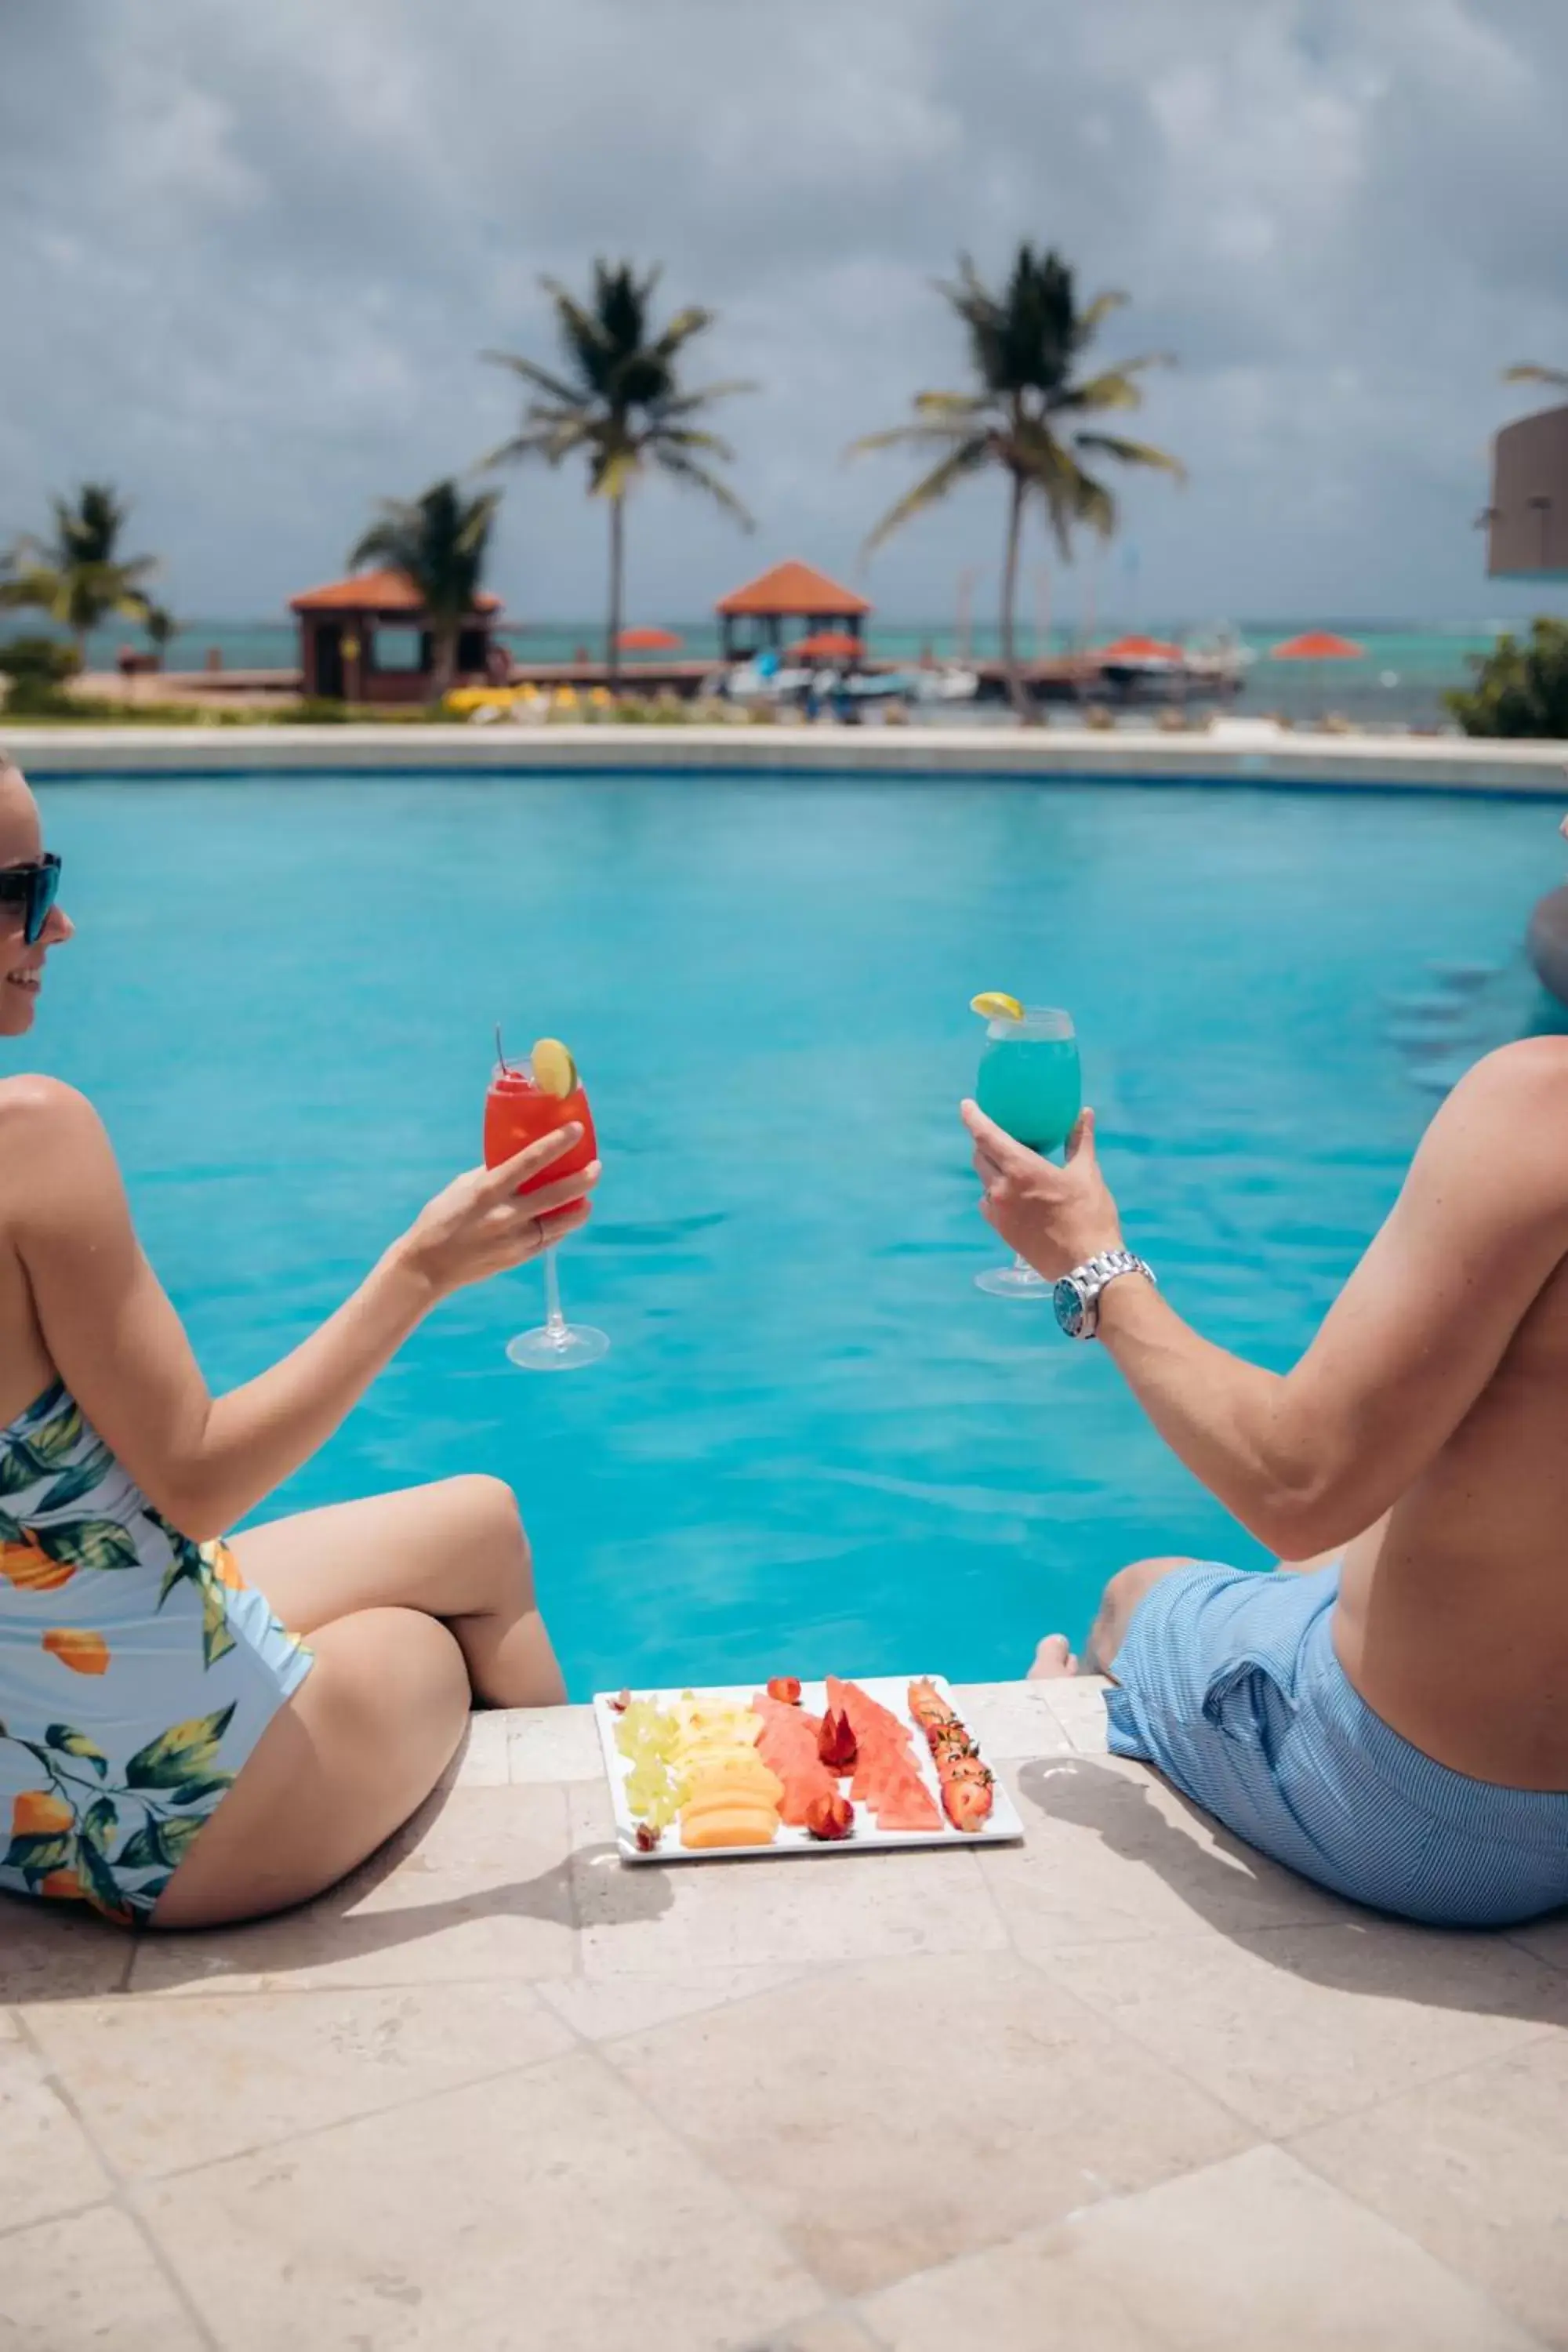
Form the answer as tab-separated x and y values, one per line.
168	1752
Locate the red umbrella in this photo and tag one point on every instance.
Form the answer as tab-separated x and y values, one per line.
1318	645
650	641
1140	649
828	645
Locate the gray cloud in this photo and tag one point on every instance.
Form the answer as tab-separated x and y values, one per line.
251	255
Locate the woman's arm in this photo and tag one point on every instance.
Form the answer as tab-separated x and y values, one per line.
1308	1458
119	1346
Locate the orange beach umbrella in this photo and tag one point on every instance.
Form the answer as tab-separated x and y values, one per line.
1318	645
650	641
1136	648
828	645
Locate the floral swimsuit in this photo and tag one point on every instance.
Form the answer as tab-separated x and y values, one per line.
137	1671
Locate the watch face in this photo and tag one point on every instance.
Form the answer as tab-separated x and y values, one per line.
1069	1305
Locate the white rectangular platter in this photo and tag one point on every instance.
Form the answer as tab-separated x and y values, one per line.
1002	1827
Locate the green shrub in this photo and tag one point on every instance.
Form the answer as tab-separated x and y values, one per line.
36	698
313	710
38	661
1520	689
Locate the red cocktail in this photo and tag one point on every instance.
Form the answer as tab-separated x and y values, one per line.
517	1112
521	1110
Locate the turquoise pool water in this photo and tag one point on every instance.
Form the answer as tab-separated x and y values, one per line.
815	1445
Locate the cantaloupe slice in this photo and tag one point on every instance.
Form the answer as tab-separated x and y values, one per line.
706	1759
754	1785
729	1824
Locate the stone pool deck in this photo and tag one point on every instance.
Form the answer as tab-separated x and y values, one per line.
1124	2087
1237	751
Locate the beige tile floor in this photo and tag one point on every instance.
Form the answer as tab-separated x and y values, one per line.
1125	2087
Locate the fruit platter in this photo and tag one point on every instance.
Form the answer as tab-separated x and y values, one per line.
835	1767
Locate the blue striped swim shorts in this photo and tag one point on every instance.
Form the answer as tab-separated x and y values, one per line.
1229	1682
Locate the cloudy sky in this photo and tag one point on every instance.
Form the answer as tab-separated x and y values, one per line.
252	250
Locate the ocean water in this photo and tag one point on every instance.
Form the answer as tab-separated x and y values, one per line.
814	1445
1400	681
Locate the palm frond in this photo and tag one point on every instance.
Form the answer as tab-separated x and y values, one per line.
688	437
693	321
615	467
1131	453
683	470
687	404
957	467
1091	320
957	405
33	588
908	437
553	438
540	378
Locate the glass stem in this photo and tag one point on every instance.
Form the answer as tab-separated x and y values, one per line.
555	1321
1021	1263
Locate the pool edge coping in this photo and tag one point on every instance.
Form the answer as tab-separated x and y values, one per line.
1344	762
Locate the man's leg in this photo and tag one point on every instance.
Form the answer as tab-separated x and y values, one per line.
1053	1659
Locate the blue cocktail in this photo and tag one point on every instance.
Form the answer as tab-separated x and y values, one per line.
1030	1084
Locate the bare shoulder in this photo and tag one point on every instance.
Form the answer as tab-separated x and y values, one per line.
37	1108
46	1128
1499	1143
1529	1079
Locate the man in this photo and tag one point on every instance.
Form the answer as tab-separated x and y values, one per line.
1387	1712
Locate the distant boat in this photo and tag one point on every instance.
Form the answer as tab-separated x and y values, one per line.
1215	664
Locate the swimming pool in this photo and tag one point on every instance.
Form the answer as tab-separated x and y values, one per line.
815	1445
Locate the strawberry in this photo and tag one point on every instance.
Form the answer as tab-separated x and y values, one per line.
835	1742
830	1817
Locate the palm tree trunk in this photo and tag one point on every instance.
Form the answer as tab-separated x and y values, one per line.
617	592
1018	693
443	658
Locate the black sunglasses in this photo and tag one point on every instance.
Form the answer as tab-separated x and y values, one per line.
38	886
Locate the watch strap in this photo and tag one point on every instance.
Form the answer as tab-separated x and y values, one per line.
1095	1275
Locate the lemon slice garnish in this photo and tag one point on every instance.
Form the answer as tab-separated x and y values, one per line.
995	1004
554	1071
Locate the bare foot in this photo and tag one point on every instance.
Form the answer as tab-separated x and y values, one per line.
1053	1660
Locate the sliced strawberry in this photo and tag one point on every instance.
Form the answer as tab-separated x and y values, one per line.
967	1803
835	1742
830	1817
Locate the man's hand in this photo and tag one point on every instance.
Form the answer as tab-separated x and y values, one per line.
1055	1217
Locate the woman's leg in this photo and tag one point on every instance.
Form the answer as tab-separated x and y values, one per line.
342	1765
455	1550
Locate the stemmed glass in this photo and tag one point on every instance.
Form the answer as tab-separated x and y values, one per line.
1031	1085
517	1112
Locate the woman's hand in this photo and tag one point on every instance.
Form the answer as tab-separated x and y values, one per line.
480	1225
1055	1217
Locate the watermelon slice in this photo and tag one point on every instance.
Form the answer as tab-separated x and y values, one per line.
909	1806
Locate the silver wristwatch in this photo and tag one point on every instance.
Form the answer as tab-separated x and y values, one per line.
1076	1295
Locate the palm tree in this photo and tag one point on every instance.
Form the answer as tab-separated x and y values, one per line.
1026	345
439	540
160	628
77	575
619	400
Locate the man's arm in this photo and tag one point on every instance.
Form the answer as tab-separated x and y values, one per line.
1309	1458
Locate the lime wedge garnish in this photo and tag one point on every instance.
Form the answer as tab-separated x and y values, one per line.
554	1071
995	1004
